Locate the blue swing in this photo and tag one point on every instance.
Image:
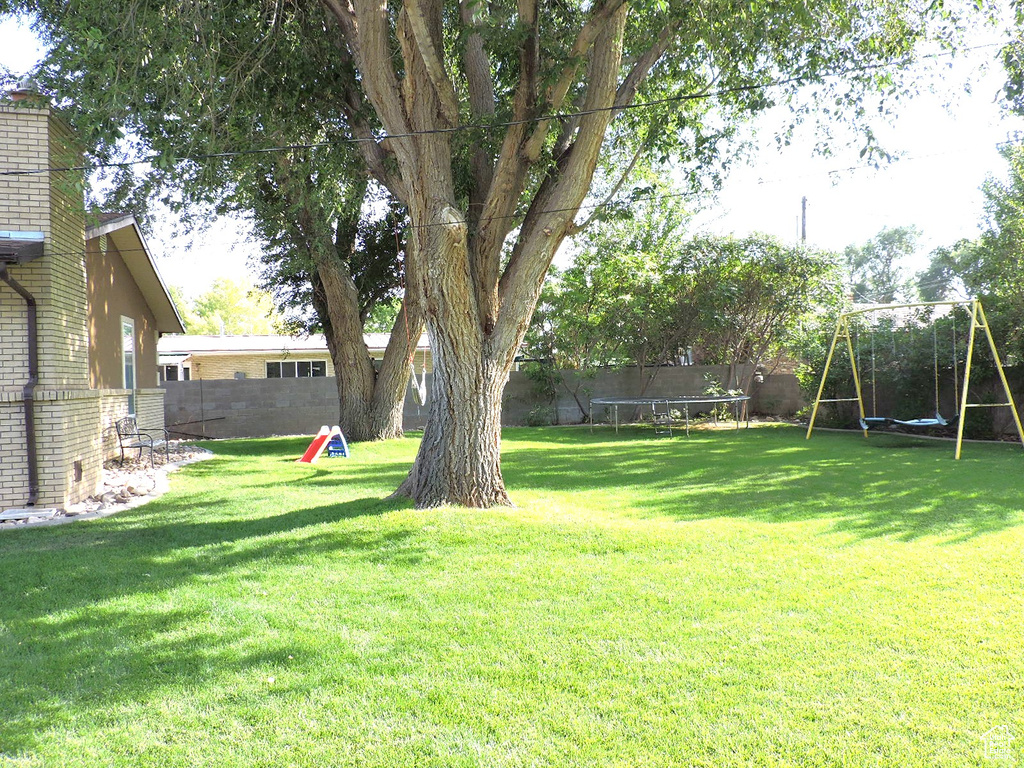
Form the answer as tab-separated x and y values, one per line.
879	422
882	422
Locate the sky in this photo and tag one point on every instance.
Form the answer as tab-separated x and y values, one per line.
945	141
945	144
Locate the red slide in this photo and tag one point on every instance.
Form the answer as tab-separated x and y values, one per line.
316	447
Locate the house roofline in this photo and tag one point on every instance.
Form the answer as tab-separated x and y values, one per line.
114	225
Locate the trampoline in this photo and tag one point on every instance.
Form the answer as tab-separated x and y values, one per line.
663	418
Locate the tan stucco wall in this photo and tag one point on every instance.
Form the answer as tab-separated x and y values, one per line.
113	294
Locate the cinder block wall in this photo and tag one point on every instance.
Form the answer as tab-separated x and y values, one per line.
265	407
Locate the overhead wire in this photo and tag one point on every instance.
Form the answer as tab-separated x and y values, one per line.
556	116
500	124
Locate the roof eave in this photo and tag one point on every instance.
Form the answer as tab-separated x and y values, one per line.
142	265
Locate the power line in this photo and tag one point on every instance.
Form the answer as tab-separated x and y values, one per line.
502	124
591	206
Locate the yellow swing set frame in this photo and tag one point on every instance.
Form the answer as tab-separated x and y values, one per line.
978	321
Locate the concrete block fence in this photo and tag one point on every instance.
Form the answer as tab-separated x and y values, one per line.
265	407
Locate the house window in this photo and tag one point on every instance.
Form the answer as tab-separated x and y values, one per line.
128	360
171	372
290	369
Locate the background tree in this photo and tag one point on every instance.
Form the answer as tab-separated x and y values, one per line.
325	251
640	292
753	294
990	267
328	234
876	269
613	306
485	122
230	307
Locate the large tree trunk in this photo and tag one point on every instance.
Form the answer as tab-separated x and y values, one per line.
459	461
477	299
371	401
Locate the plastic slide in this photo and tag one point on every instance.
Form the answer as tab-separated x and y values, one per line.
336	444
317	446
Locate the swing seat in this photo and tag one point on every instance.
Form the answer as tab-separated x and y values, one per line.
877	422
938	421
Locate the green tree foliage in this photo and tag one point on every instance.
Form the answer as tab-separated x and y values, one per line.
876	269
485	122
640	292
382	318
230	307
615	305
753	294
990	267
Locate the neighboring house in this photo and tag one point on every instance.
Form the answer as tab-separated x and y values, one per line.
184	358
80	313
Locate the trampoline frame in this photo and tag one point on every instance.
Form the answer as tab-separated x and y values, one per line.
664	418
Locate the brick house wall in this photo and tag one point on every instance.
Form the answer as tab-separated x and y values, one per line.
69	464
70	415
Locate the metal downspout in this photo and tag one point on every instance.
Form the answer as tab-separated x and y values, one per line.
30	385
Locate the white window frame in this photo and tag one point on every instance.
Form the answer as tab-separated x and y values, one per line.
296	363
129	382
184	372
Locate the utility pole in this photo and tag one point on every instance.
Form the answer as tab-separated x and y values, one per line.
803	219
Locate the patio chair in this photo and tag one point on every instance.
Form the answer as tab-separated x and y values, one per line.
130	437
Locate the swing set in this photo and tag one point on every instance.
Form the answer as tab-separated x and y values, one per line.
867	423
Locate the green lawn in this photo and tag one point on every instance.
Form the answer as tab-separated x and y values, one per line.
733	599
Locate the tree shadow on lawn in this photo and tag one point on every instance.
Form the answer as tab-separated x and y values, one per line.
880	487
887	485
71	643
69	667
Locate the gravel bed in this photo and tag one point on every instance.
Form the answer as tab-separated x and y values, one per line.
122	487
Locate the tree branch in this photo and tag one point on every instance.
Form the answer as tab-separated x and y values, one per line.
575	228
556	94
643	66
427	47
480	85
365	23
558	200
373	153
509	175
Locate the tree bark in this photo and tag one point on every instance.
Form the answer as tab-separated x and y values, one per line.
459	461
370	401
477	310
